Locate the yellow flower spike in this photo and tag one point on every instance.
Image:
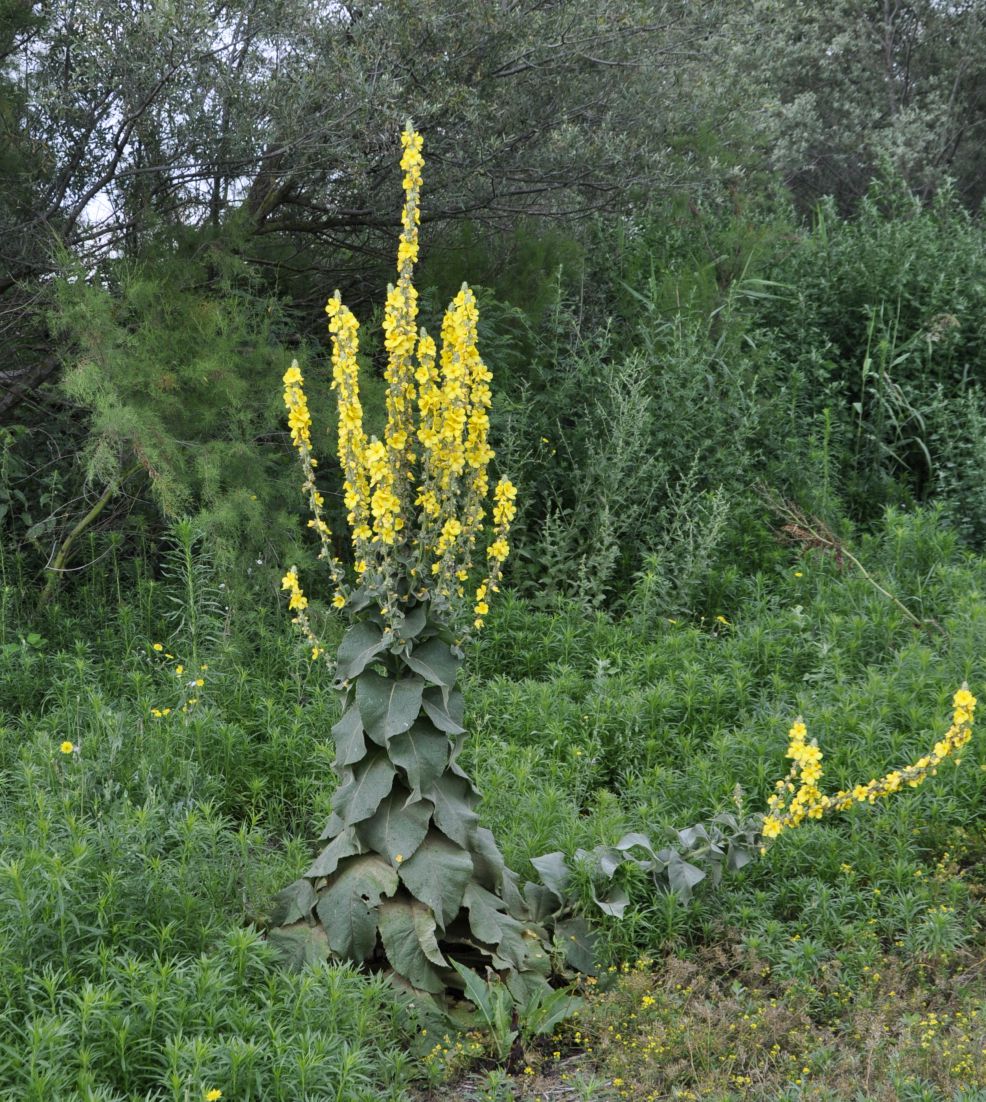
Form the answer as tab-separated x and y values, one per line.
807	800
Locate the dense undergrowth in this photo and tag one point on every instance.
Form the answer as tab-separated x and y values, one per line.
135	865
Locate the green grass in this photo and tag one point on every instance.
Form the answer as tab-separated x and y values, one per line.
131	870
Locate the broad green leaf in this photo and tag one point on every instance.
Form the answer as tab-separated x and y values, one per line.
435	662
413	623
453	808
359	646
360	796
554	872
333	827
683	876
348	906
437	874
487	859
407	929
485	912
613	904
388	705
579	944
422	752
477	991
300	944
345	844
443	714
394	829
349	740
292	903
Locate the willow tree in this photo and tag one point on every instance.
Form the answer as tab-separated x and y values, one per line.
407	877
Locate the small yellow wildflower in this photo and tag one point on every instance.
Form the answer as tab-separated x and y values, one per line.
66	747
179	670
158	647
338	601
199	682
316	651
214	1095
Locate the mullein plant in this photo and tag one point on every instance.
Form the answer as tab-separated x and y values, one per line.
408	879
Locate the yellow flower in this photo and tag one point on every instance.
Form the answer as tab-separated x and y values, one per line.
214	1095
316	651
722	620
179	670
158	647
338	601
199	682
66	747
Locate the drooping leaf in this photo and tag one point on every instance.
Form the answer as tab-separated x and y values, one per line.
422	752
541	901
299	944
413	623
349	740
442	713
344	844
488	860
614	903
554	872
485	913
388	705
407	929
292	903
579	944
453	809
360	796
332	827
348	906
437	874
683	876
395	829
360	645
435	662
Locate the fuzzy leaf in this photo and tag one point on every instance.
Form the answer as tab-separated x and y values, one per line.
345	844
407	929
485	913
348	906
360	796
413	624
554	872
395	829
349	740
422	752
299	944
453	812
579	944
682	876
359	646
437	874
292	903
435	662
488	859
442	713
388	705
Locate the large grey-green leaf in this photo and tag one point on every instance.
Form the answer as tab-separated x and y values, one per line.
435	662
359	646
394	829
359	797
579	944
683	876
443	714
485	913
437	874
292	903
388	705
487	859
554	872
345	844
299	944
453	808
412	624
349	740
422	752
407	928
348	906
